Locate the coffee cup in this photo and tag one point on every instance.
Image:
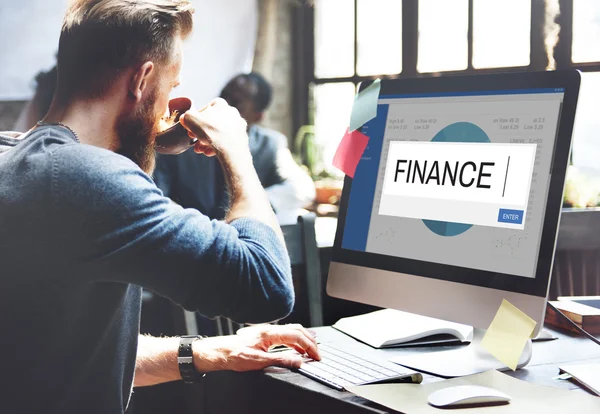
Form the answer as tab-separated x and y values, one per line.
175	139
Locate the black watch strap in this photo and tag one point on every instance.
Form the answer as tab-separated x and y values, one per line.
185	359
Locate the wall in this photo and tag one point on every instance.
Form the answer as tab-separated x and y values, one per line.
30	30
273	59
9	112
221	46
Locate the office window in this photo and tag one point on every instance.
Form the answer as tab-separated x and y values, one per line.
334	38
585	55
586	133
332	106
443	42
379	37
501	33
586	31
375	27
419	38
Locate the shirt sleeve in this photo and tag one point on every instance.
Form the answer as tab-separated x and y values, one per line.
117	226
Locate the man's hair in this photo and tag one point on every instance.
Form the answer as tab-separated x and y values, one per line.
257	88
100	38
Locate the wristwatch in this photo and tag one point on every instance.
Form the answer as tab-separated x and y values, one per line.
185	359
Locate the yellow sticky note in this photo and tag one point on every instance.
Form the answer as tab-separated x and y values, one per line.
508	333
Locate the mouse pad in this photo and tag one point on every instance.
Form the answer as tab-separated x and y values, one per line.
526	397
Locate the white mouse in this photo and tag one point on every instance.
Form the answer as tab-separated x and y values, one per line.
466	395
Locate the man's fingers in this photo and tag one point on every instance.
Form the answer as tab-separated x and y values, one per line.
218	101
252	360
207	150
297	340
281	359
310	335
190	122
302	330
309	346
210	152
204	146
203	142
289	360
194	122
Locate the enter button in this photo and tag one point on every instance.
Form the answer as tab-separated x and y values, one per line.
510	216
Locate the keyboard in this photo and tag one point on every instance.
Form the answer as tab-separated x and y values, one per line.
340	369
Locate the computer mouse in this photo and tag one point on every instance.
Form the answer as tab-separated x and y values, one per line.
467	395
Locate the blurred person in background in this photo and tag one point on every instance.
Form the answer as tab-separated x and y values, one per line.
288	187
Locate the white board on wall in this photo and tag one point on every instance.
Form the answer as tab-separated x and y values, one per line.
29	30
221	46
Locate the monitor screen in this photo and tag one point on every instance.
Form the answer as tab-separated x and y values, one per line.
457	179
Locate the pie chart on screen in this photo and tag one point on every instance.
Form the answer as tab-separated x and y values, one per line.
457	132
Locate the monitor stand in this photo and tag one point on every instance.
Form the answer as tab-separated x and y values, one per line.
466	360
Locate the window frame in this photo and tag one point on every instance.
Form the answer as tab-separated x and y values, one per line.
303	43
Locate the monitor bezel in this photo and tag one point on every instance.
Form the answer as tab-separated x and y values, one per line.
569	80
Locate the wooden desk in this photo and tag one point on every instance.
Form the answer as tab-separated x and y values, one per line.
283	391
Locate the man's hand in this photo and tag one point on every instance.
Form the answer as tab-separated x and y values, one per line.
248	351
221	131
219	128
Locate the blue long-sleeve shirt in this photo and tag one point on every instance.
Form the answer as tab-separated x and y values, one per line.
81	230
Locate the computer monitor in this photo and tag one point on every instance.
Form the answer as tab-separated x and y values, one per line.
456	201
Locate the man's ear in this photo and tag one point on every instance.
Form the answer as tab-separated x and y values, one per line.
139	80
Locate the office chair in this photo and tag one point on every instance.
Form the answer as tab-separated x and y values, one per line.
300	239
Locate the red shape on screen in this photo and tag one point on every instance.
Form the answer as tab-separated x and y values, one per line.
350	151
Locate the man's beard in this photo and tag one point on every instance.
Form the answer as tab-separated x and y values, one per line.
137	134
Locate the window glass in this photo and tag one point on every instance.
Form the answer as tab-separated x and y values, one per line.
334	38
379	37
501	33
443	29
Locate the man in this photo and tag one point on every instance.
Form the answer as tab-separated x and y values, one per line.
288	187
83	227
